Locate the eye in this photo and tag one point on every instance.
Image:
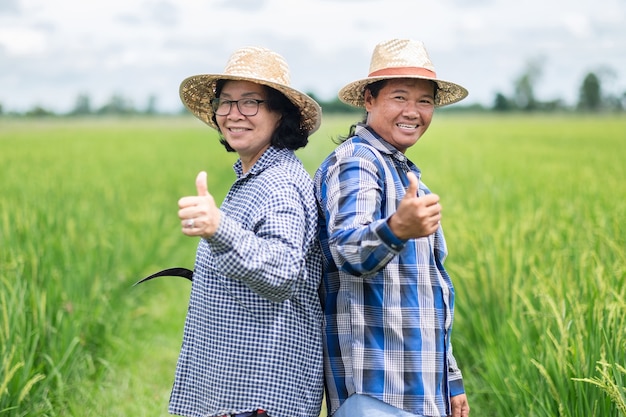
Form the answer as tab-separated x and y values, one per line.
399	98
249	102
219	103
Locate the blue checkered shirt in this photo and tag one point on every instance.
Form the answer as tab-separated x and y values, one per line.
252	337
388	302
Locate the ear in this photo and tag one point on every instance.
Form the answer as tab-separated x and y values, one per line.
278	121
368	99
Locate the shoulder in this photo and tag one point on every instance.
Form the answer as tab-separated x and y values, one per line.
287	168
285	175
355	153
354	149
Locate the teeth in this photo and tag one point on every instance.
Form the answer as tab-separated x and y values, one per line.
407	126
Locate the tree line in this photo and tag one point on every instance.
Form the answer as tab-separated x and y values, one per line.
592	98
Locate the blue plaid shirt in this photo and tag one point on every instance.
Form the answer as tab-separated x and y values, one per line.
388	302
252	337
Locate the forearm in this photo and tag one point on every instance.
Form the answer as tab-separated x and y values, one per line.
365	250
455	377
269	264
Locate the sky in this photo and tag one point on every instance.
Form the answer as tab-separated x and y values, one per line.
53	51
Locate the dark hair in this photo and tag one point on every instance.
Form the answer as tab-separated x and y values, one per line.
289	134
374	88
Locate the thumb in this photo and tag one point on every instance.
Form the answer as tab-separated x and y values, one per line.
414	184
201	184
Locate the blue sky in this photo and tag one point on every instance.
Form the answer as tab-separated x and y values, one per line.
52	51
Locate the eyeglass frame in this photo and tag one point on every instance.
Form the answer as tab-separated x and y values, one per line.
218	102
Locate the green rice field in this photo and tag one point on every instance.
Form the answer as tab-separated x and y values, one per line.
534	211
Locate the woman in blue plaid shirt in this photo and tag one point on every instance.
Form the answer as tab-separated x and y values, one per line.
387	298
252	343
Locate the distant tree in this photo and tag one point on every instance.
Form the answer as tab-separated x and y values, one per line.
590	94
151	107
338	106
39	111
312	95
614	102
553	105
501	103
334	106
82	107
525	85
117	105
1	110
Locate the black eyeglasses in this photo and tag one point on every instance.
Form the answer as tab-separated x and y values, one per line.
246	106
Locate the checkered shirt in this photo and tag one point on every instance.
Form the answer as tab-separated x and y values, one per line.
252	337
388	303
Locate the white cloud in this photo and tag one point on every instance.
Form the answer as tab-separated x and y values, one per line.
578	25
22	41
51	51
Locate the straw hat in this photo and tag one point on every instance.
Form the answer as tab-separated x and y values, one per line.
401	58
254	64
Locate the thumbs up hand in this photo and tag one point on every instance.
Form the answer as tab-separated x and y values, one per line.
414	185
416	216
201	186
198	214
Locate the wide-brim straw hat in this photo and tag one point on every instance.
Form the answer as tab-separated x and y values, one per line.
401	58
254	64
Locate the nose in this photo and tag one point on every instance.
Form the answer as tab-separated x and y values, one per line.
411	109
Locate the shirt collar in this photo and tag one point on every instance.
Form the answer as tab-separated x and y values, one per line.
374	139
266	160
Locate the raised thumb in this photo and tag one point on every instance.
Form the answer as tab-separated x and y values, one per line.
201	184
414	184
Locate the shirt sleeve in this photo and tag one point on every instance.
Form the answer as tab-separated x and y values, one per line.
360	239
270	258
455	378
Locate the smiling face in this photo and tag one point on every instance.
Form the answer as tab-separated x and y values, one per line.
249	136
402	110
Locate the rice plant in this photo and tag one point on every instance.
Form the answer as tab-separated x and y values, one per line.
533	212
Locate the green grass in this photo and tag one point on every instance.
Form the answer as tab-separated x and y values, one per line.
534	215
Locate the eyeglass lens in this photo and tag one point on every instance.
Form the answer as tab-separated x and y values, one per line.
246	106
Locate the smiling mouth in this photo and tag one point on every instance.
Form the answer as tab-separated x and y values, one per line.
237	129
405	126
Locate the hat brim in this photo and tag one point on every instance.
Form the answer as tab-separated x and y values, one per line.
197	92
447	92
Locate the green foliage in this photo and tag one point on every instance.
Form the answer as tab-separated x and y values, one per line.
84	213
533	215
535	227
590	93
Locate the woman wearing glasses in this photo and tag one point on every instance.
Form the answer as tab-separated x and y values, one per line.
252	339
